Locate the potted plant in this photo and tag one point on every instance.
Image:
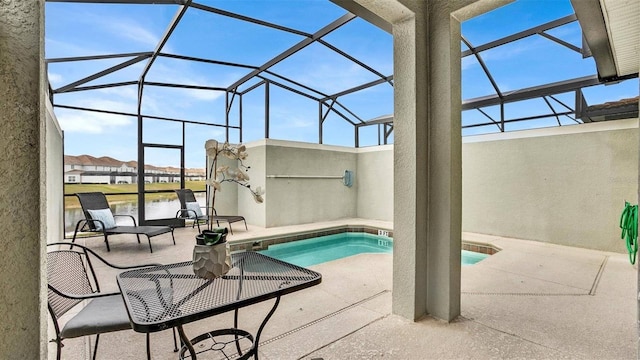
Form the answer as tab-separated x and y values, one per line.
211	257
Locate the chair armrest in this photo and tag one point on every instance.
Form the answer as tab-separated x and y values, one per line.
85	222
120	267
81	296
188	211
133	266
129	216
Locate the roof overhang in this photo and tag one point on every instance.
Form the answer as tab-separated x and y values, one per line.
612	31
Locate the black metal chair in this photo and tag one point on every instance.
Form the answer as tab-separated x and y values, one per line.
99	218
71	279
188	210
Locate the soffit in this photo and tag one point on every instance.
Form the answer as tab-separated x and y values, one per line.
622	19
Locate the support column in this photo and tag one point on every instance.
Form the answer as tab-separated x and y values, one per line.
427	164
427	149
22	284
411	169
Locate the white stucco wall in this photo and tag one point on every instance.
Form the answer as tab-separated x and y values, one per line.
374	183
293	175
226	201
306	200
562	185
23	222
255	213
54	174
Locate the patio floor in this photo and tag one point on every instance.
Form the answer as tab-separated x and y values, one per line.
529	301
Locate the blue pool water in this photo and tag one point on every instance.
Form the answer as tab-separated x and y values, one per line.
332	247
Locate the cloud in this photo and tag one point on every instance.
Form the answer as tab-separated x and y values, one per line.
468	62
332	76
185	73
55	79
205	95
130	30
88	122
291	118
126	92
125	28
93	122
107	31
60	48
298	123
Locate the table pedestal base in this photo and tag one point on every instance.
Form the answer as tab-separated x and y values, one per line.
224	344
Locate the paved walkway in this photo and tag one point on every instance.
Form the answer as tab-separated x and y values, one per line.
529	301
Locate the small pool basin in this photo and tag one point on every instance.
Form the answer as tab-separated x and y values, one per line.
321	249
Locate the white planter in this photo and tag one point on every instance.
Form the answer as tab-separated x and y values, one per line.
211	261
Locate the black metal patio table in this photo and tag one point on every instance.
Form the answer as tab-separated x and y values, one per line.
168	296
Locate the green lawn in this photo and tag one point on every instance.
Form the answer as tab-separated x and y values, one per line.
71	202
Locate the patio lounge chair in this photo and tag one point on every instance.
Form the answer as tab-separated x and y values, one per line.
71	280
190	209
99	218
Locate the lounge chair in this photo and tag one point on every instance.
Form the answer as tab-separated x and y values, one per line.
99	218
71	280
190	209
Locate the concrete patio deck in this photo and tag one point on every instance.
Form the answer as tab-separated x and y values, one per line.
529	301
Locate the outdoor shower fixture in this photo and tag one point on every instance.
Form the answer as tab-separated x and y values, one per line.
347	178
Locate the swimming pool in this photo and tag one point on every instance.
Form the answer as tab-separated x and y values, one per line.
321	249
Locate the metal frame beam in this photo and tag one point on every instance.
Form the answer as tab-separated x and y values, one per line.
595	32
100	74
290	89
523	34
166	2
184	86
295	48
172	25
248	19
507	121
269	77
562	42
532	92
294	83
96	57
351	58
486	71
388	79
101	86
71	107
208	61
349	111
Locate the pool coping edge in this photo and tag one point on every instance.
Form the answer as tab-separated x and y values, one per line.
263	242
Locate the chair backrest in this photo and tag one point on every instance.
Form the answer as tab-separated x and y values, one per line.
67	273
185	196
92	201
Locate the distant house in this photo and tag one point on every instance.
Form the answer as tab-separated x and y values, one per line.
87	169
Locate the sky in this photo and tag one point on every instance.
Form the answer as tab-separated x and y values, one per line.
75	29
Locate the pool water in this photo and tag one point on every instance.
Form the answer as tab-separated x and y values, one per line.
321	249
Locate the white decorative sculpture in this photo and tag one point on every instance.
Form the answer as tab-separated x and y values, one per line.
211	261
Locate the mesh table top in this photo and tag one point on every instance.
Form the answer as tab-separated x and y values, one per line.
165	296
